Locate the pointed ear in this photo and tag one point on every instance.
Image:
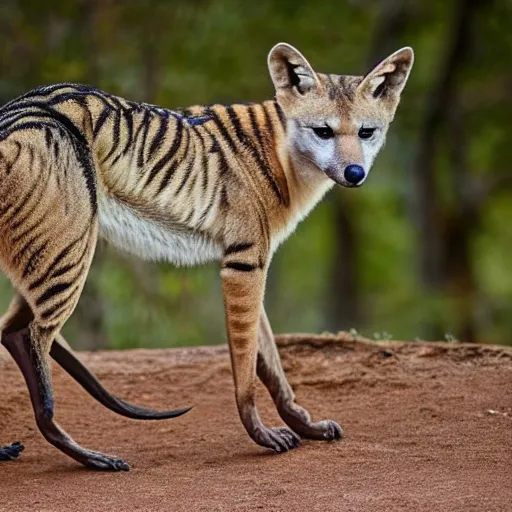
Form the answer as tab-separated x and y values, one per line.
387	80
290	71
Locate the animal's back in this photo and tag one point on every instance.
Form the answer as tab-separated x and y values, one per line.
128	144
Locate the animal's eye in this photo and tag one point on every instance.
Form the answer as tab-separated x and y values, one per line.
324	132
366	133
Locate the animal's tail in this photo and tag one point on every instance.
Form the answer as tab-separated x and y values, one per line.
90	383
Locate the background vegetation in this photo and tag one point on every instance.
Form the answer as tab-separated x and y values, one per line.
422	250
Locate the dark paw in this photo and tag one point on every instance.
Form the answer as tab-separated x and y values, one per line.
333	431
279	439
326	430
11	451
107	463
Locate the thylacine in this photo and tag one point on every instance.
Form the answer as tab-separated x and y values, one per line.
219	183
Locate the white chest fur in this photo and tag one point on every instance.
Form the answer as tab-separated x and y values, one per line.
131	232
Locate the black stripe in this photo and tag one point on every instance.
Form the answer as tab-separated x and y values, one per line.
8	120
255	127
128	117
140	125
49	312
216	149
223	164
189	167
269	123
235	121
18	257
168	175
60	305
54	290
15	212
160	134
242	267
223	131
56	150
57	260
224	200
233	248
31	263
48	138
146	121
65	269
209	205
101	121
48	90
81	97
27	125
280	114
169	155
43	113
116	136
204	163
42	189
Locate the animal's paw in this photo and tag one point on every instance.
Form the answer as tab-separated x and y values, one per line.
326	430
106	463
279	439
332	431
11	451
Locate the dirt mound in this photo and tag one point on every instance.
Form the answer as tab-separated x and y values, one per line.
428	427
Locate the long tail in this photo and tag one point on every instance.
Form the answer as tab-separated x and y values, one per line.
90	383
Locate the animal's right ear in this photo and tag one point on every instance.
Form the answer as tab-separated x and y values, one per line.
386	81
290	71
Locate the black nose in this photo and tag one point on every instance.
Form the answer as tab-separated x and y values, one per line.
354	174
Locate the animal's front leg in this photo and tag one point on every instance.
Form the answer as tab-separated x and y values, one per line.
272	375
243	287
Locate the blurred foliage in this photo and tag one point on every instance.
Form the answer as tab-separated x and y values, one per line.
178	53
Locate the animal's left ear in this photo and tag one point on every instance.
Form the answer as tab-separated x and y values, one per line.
290	71
387	80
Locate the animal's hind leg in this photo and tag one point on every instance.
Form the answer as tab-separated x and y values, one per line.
29	348
29	344
48	233
18	314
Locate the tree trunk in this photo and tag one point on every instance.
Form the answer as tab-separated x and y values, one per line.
343	307
430	218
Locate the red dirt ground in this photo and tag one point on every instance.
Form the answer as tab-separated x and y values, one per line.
428	427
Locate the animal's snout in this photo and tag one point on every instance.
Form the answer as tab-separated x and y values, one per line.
354	174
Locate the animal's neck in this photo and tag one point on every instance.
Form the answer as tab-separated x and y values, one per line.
305	185
258	132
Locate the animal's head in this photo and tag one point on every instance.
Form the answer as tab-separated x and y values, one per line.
335	123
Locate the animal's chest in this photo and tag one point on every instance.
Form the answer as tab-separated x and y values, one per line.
128	231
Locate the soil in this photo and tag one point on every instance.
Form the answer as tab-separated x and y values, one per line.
428	427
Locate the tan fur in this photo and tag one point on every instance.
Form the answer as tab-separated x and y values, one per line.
229	182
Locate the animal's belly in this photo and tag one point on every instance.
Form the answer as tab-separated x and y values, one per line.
128	231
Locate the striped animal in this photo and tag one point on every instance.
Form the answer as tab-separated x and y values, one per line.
216	183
